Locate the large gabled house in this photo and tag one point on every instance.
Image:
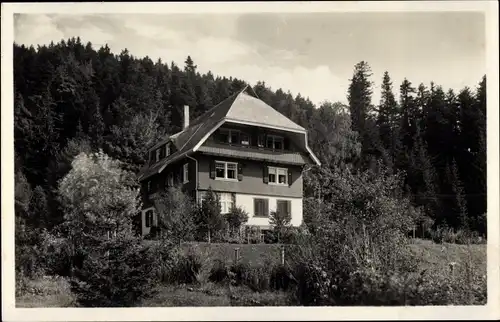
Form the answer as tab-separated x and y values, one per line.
248	153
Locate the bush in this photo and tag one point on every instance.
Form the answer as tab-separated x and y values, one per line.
186	268
235	219
256	278
280	278
218	272
117	273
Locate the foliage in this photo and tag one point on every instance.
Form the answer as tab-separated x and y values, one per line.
186	268
218	272
116	273
364	228
176	211
281	223
210	219
235	219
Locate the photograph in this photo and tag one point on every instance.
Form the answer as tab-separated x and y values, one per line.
249	158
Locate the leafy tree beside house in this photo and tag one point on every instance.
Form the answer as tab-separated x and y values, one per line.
235	219
175	215
281	223
100	199
209	218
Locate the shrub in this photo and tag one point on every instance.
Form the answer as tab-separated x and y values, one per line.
235	219
176	212
280	278
208	217
116	273
218	272
360	243
281	223
186	268
254	277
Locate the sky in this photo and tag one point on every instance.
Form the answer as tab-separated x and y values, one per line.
308	53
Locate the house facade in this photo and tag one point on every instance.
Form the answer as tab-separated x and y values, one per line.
249	154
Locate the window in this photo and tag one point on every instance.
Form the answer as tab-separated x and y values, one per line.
149	218
245	139
226	202
167	148
148	186
229	136
185	172
234	137
261	140
158	151
226	170
261	207
274	142
278	175
283	206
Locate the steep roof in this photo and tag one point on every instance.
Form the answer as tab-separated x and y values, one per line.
243	106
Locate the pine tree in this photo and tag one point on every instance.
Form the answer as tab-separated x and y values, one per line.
359	97
387	117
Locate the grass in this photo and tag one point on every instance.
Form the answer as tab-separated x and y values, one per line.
46	291
253	254
210	294
435	258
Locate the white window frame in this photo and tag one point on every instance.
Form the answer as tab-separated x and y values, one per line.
226	202
185	173
274	137
225	171
277	174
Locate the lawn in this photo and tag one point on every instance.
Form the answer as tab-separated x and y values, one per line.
435	258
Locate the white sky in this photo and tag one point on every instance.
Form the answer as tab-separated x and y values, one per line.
310	53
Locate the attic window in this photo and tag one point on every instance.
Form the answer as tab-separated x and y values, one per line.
229	136
275	142
158	151
245	139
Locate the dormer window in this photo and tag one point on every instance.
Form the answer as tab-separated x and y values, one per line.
233	137
245	139
275	142
167	149
158	152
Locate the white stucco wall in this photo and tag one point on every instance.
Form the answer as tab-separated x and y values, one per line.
246	202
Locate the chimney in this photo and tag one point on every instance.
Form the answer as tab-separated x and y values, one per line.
186	117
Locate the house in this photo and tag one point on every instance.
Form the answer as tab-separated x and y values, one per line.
244	150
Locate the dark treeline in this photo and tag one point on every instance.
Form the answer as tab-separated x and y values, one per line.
70	98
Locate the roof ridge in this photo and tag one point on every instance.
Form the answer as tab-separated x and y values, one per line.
212	109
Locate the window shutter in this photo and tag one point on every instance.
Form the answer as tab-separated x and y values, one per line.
255	207
212	169
289	177
266	207
240	171
265	174
289	207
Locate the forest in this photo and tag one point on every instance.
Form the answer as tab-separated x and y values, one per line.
70	97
